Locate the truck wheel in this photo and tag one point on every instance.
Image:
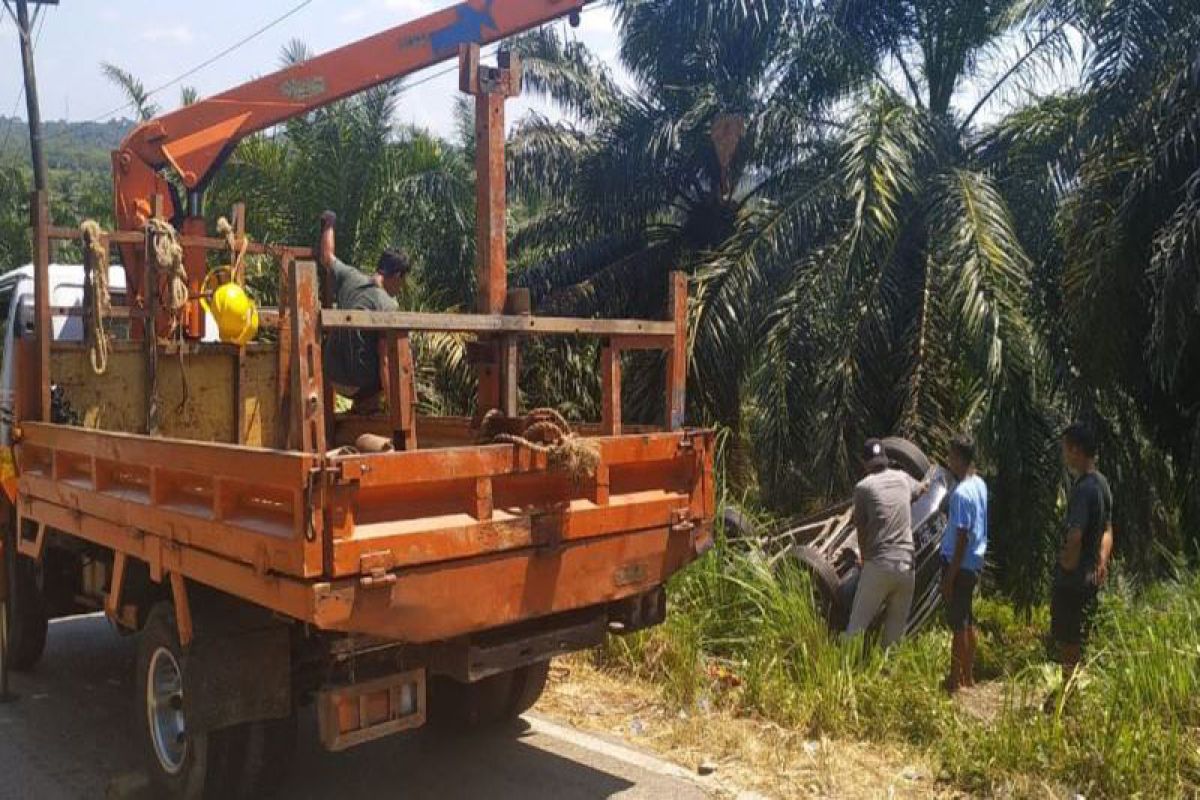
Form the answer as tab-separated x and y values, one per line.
26	608
454	705
183	764
738	525
527	687
825	583
906	456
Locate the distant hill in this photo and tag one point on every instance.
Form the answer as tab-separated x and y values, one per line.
69	145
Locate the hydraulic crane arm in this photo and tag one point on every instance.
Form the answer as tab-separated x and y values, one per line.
193	141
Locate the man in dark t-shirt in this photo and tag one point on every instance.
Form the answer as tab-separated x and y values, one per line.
354	359
1087	546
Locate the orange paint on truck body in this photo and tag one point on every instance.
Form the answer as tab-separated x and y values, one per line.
410	559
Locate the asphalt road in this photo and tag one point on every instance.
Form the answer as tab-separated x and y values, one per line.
70	734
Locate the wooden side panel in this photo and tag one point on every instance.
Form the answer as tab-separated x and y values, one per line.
262	408
111	402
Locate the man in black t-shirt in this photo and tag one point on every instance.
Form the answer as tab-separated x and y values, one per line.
354	359
1087	546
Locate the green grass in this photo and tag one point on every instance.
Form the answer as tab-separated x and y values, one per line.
744	636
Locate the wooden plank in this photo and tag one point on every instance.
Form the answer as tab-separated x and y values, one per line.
401	391
510	371
103	401
40	210
490	202
150	333
116	583
444	601
308	390
449	432
487	371
117	312
421	542
285	432
291	597
240	381
269	467
610	383
463	463
138	238
190	527
183	609
521	324
677	357
195	264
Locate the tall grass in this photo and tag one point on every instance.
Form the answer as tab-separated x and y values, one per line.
1131	724
743	634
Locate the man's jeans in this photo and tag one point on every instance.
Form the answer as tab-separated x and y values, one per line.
883	584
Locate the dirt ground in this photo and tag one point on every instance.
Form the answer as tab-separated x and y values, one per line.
748	757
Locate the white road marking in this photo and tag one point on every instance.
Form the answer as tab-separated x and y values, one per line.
626	755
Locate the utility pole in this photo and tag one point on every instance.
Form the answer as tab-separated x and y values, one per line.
32	108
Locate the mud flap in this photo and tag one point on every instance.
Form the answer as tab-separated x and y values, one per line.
237	677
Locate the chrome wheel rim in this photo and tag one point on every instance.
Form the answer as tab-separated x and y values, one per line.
164	711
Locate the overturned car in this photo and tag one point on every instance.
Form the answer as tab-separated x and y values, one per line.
825	545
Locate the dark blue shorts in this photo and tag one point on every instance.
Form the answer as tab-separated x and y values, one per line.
959	615
1072	608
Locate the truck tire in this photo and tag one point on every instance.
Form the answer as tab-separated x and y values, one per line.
825	582
528	685
182	765
906	456
458	706
738	525
27	620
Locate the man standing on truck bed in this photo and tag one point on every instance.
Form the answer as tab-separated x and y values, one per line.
883	520
355	360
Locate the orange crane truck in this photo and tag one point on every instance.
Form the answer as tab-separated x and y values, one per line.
207	495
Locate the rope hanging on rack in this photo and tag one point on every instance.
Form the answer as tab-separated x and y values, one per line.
546	431
237	251
100	299
168	254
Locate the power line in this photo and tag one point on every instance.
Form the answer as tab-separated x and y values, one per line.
206	63
246	40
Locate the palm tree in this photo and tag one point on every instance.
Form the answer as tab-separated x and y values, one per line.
646	179
134	90
14	217
822	168
1130	245
887	280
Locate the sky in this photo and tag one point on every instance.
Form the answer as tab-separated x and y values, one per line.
156	46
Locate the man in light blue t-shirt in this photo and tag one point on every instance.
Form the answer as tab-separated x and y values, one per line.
964	545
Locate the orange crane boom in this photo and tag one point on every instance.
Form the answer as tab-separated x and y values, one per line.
192	142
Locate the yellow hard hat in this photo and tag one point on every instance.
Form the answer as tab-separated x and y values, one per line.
234	311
